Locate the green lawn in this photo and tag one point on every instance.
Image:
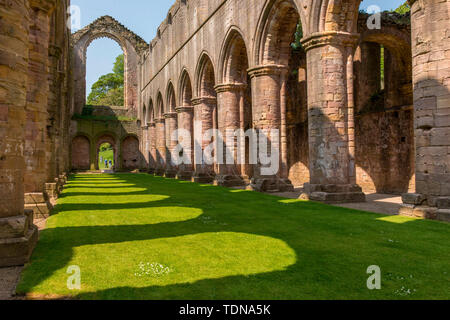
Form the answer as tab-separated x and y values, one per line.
106	155
145	237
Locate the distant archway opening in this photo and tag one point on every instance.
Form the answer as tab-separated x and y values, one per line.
109	142
106	157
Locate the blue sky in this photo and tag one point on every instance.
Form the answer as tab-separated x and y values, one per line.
143	17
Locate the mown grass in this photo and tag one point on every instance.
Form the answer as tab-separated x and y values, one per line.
144	237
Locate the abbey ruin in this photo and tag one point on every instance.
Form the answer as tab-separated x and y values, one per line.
346	126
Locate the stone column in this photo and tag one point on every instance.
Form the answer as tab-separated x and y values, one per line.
38	150
267	100
171	127
330	115
229	103
430	22
186	123
160	147
204	109
152	148
18	235
145	147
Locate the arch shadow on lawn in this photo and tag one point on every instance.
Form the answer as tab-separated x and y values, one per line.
327	249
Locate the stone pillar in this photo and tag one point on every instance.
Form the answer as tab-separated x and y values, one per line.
160	147
37	150
229	104
330	119
18	235
204	109
171	127
430	22
267	100
152	148
186	125
145	147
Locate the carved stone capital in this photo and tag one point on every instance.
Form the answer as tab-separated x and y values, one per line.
320	39
267	70
183	109
228	87
205	100
170	115
160	120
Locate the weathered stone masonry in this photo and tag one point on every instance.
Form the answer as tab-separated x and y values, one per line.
345	126
33	38
343	130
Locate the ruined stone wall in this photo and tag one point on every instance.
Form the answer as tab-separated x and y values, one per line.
321	137
29	31
384	134
91	129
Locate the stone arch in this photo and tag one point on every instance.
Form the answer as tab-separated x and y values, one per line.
131	44
150	113
234	61
144	116
159	112
185	85
130	153
398	54
275	33
332	16
106	137
171	101
205	75
81	152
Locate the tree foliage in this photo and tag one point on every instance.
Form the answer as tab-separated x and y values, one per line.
109	88
404	8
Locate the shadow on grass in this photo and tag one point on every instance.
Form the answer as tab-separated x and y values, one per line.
334	246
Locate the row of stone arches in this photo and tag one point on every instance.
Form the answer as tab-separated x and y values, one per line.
261	91
85	152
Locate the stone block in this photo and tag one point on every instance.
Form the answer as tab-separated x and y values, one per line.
228	181
34	198
414	198
425	212
40	210
443	215
17	251
14	227
407	210
443	203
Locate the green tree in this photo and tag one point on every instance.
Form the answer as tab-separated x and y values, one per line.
109	88
404	8
297	45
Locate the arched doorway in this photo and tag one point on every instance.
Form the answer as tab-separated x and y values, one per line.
130	153
109	141
81	153
131	45
106	157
